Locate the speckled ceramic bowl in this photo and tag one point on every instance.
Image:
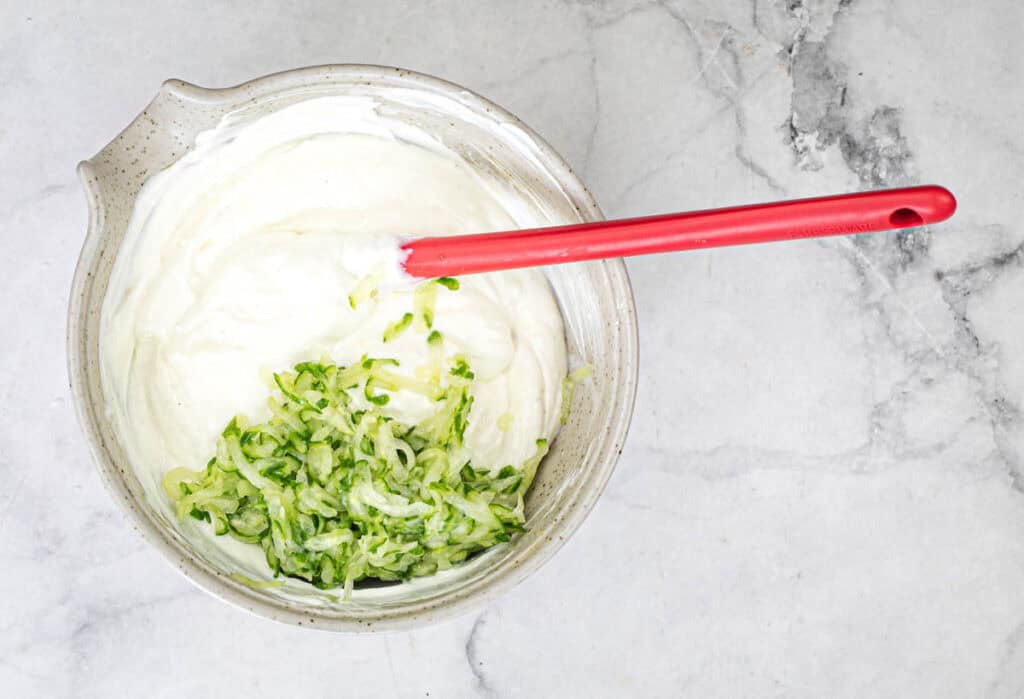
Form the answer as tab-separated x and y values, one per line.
595	299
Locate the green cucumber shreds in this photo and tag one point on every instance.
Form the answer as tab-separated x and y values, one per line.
397	328
569	388
423	300
334	491
366	288
256	584
505	422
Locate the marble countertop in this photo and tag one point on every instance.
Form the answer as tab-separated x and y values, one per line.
822	493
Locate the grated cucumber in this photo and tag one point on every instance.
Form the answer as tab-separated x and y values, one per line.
334	493
569	384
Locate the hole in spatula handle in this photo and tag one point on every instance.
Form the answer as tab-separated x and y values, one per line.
902	218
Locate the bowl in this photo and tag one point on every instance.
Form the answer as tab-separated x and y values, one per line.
595	299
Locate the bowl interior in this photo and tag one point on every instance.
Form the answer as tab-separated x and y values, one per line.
595	300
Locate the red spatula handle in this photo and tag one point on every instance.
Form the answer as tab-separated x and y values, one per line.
864	212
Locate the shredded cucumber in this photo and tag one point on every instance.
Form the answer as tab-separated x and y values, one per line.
569	388
366	288
423	300
397	328
505	422
334	492
257	584
449	282
425	297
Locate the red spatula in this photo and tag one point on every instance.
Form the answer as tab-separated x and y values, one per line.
865	212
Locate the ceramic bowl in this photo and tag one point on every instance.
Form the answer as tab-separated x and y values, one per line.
595	299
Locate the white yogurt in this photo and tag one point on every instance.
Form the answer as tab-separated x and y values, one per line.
239	259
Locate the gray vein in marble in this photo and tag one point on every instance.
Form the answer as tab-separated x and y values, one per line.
391	665
596	123
818	96
708	59
1009	649
868	269
93	617
476	665
41	677
712	55
957	287
673	158
532	71
883	446
749	163
606	15
960	354
877	151
72	625
874	149
819	88
43	194
595	91
12	497
879	154
729	87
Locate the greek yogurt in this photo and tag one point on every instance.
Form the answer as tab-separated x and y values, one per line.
239	260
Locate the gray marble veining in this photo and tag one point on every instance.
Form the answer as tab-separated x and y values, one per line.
822	492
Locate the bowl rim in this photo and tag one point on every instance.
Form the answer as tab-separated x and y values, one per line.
449	603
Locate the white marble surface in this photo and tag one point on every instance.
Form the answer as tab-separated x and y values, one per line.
822	491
